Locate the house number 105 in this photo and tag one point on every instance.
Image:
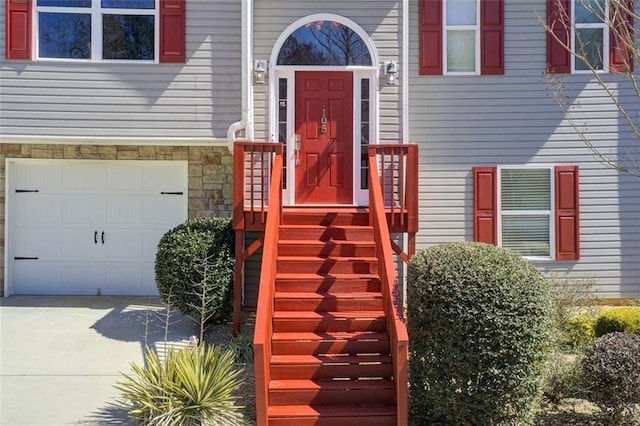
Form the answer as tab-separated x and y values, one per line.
323	121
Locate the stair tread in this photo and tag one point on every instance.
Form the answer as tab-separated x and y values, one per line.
331	410
325	276
329	359
320	242
310	336
331	295
324	258
327	314
305	384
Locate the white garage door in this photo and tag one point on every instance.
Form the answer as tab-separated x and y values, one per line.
88	228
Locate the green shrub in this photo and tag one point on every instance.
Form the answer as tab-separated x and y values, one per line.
242	347
611	366
578	331
625	319
564	378
194	268
189	387
479	323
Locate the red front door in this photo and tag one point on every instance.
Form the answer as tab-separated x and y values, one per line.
324	123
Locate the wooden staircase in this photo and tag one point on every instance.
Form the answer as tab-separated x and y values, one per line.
330	361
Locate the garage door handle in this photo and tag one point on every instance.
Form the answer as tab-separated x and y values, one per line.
95	237
102	236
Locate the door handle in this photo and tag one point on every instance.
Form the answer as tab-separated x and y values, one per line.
102	236
95	237
297	146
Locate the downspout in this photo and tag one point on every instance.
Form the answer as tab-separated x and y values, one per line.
405	71
246	118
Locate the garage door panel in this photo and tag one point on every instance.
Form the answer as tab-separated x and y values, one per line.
82	210
42	277
124	210
125	280
38	208
158	179
45	176
123	244
150	240
83	278
43	243
81	244
163	210
124	178
83	178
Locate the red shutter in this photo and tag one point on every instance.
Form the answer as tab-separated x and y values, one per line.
492	37
485	208
567	213
172	31
18	29
620	56
558	20
430	37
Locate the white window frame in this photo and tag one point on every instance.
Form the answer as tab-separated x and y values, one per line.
97	11
605	38
447	28
550	213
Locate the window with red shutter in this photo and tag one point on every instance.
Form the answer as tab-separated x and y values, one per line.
126	31
435	34
512	207
585	31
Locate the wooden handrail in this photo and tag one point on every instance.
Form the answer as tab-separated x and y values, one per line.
399	339
264	314
253	163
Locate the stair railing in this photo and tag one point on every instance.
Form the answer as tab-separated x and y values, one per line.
266	292
253	163
399	339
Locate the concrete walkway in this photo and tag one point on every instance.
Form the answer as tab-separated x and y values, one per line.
61	356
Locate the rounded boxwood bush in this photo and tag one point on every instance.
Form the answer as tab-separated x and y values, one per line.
625	319
611	367
194	259
480	333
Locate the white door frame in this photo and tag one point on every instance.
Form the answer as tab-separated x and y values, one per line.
277	72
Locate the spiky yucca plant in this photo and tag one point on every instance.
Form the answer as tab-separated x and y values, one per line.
187	388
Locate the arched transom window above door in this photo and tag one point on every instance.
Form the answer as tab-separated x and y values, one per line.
324	43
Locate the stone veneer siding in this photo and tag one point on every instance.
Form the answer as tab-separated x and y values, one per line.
210	172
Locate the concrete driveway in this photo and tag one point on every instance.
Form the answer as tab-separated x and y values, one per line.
61	356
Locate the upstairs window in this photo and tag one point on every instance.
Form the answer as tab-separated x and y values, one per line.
96	30
461	37
589	36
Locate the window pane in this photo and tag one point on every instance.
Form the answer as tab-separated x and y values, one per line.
128	37
526	235
589	11
589	42
64	35
461	51
461	12
64	3
525	189
129	4
324	43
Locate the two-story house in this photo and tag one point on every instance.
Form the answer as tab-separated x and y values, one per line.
119	118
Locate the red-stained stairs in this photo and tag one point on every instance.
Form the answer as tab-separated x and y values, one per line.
331	361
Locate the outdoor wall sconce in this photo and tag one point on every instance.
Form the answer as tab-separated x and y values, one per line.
391	72
260	71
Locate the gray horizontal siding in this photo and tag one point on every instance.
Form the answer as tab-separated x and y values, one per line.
380	19
199	99
461	122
